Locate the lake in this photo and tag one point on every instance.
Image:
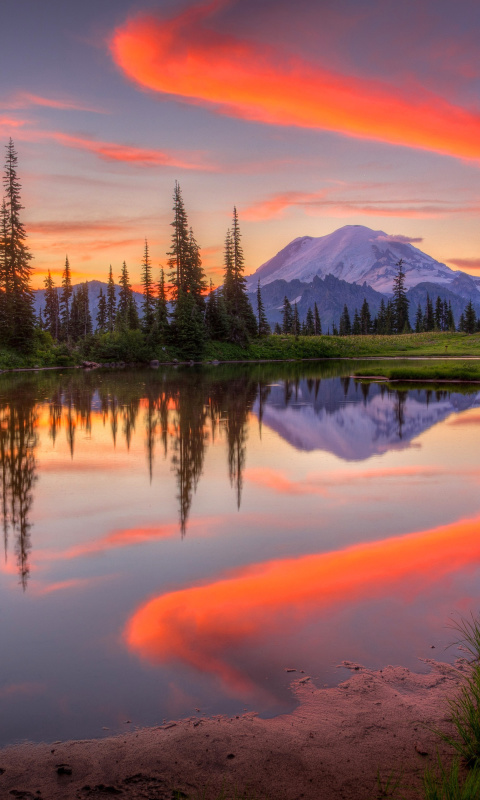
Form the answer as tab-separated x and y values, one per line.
177	540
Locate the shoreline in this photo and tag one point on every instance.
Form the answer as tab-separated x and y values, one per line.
336	744
217	362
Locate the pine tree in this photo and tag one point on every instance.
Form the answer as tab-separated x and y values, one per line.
263	326
287	325
102	313
365	318
51	316
400	301
5	282
111	302
450	321
357	326
438	315
195	281
161	308
309	323
180	249
277	329
296	321
243	323
419	319
15	262
148	305
65	297
429	318
317	321
470	318
345	328
124	296
381	327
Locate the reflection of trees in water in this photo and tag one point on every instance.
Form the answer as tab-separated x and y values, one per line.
18	440
239	402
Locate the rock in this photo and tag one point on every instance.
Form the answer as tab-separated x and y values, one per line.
64	769
290	669
420	749
154	363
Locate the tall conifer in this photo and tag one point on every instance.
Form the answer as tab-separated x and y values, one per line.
111	302
19	300
148	305
65	301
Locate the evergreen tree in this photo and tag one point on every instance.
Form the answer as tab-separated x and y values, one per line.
243	323
188	327
450	322
296	321
180	251
400	301
419	319
365	318
52	310
148	305
15	261
102	313
334	330
381	326
438	315
263	326
317	321
357	326
65	297
161	308
277	329
309	323
429	318
345	324
287	325
389	318
5	282
111	302
195	281
470	318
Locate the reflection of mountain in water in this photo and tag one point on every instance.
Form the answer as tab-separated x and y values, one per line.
355	421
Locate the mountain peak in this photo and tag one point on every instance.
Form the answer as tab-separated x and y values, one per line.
356	254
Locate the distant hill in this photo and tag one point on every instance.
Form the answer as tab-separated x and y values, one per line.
93	295
358	254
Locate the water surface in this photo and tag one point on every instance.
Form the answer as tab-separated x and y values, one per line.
177	539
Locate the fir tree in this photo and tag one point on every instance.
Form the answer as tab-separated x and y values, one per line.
243	323
345	328
263	326
102	313
52	310
381	327
161	308
438	315
309	323
470	318
124	297
419	319
277	329
111	302
296	321
357	326
195	282
365	318
400	301
450	320
180	249
148	305
15	261
317	321
65	297
287	325
429	318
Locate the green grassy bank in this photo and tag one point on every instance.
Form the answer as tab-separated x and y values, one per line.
133	346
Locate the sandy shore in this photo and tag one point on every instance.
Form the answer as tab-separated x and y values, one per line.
331	747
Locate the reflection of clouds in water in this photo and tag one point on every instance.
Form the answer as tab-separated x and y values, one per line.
204	626
353	427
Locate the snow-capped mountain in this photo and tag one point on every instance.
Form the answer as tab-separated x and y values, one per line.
356	254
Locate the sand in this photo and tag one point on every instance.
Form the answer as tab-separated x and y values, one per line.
332	746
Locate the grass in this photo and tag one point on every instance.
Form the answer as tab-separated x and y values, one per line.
434	371
451	784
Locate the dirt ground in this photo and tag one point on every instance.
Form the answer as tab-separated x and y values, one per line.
336	745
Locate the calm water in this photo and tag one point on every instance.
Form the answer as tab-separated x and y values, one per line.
175	540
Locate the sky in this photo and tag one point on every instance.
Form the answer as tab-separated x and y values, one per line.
306	116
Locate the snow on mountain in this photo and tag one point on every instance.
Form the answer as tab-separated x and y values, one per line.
356	254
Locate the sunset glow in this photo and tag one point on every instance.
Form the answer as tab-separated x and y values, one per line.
198	626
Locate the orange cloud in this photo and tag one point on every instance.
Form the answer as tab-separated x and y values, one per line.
200	625
275	207
26	99
321	483
468	264
185	57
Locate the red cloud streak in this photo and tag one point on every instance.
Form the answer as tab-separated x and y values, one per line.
182	56
199	625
